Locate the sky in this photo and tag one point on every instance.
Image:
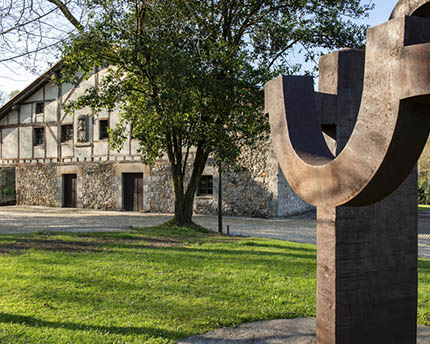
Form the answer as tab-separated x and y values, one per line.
20	78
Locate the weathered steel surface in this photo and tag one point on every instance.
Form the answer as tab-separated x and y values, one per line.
367	271
391	129
367	254
419	8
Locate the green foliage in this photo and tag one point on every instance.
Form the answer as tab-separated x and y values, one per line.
13	93
193	71
186	74
424	175
7	184
423	188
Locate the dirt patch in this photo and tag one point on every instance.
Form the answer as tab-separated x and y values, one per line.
49	245
163	242
98	245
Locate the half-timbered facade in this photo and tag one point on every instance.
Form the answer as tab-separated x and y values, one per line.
64	160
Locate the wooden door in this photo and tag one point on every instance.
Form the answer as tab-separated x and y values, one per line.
133	191
69	189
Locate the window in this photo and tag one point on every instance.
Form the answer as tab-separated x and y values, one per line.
66	132
103	129
40	107
39	136
206	185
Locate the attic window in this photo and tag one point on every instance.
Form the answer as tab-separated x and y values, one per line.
103	129
40	107
39	136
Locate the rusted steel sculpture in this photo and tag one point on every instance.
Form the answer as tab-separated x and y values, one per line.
366	195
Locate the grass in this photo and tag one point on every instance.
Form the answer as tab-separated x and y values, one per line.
422	207
152	285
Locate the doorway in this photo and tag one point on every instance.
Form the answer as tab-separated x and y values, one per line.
69	190
133	191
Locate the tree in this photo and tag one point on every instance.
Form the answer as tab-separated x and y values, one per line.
31	31
13	93
4	97
187	75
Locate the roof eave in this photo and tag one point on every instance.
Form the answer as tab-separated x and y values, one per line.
30	89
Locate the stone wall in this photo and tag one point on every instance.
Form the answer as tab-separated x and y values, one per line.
258	189
160	188
253	190
99	187
161	193
289	203
37	185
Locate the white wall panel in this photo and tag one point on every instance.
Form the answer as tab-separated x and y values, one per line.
26	113
26	142
10	143
51	142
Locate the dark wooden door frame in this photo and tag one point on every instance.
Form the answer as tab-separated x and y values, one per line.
69	190
132	191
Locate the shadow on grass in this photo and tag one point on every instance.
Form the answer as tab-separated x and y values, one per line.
424	265
17	244
106	243
34	322
254	244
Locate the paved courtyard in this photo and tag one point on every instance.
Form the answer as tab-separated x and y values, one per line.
301	228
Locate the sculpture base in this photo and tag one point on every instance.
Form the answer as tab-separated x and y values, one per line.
367	281
291	331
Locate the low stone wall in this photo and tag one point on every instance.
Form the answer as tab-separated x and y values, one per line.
99	187
37	185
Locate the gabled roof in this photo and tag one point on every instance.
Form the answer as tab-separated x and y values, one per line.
30	89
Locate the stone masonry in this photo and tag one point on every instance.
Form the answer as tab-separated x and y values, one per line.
99	189
36	185
257	189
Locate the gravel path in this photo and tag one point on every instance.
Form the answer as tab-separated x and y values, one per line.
301	228
286	331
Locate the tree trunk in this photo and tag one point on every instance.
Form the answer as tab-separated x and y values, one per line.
184	201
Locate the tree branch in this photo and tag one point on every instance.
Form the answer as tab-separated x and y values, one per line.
69	16
28	22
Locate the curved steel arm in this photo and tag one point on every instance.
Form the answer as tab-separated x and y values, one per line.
391	129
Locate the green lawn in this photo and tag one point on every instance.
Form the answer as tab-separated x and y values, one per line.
154	285
422	207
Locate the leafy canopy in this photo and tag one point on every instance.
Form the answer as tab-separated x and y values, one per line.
188	73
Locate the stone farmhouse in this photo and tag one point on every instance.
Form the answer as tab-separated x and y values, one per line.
62	160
